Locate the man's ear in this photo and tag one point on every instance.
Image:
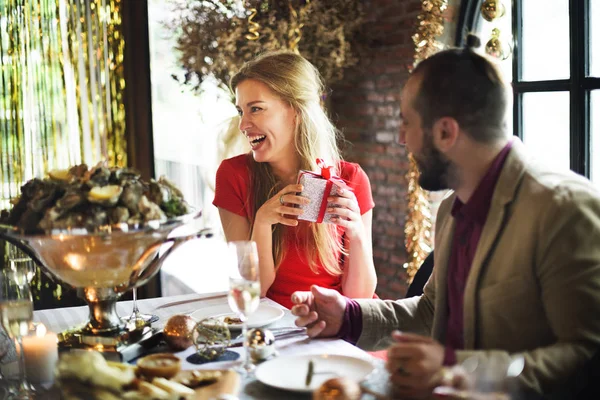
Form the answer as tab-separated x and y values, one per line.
445	133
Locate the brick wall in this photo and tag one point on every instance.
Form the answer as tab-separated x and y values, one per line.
366	108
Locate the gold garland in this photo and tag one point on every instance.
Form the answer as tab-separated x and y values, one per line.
417	231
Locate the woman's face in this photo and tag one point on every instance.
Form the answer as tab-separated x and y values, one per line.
267	121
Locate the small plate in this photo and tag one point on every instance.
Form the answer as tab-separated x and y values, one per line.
289	373
265	314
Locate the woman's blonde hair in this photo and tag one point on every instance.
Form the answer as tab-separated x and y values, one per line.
296	81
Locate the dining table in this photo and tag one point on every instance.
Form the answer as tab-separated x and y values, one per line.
57	320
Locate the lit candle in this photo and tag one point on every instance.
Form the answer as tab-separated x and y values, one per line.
41	355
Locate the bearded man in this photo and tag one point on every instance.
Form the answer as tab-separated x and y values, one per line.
517	256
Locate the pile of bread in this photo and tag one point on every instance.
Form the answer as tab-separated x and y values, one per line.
87	375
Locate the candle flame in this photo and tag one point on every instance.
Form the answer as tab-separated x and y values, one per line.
40	330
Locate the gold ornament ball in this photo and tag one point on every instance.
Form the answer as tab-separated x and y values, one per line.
178	331
492	9
261	344
338	389
495	47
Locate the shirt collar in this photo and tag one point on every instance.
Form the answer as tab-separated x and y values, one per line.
477	207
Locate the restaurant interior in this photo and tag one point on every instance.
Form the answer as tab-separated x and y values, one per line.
139	90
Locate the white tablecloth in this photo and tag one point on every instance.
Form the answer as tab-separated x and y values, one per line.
60	319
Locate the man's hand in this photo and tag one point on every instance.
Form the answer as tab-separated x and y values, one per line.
320	310
414	363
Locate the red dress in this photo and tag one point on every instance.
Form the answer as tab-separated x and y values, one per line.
294	273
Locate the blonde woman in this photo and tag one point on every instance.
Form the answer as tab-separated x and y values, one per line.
278	100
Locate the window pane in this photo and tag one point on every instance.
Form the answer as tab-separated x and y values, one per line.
546	127
594	22
545	47
595	137
185	124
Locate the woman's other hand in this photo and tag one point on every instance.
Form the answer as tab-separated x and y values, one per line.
347	213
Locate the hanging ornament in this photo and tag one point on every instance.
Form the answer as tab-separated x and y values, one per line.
495	47
492	9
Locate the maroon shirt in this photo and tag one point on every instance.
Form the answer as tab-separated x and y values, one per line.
470	219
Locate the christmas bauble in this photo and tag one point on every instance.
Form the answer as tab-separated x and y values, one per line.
178	331
492	9
495	47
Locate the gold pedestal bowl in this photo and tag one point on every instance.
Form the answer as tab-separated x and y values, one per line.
103	264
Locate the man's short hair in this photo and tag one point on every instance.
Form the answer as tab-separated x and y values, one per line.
466	86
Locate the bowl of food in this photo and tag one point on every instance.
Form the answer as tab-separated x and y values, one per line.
98	230
162	365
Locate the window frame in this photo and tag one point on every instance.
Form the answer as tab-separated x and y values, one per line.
579	85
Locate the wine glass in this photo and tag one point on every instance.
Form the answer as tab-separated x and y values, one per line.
16	313
137	319
493	375
21	264
244	289
6	346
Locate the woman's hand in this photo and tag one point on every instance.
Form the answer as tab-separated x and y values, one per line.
281	208
347	213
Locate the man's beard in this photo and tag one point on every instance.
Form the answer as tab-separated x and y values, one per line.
433	166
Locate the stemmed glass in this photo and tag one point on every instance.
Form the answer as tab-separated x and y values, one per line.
21	264
137	318
6	345
493	375
244	289
16	313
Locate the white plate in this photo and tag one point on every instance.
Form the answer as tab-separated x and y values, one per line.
289	373
264	315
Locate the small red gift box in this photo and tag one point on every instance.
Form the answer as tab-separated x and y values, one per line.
318	187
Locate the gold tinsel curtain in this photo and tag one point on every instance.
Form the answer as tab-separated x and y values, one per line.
61	95
61	87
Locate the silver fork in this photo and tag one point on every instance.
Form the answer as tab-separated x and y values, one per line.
281	333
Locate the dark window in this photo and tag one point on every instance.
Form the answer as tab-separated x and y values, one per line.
555	72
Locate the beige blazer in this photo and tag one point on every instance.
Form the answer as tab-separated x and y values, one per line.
534	285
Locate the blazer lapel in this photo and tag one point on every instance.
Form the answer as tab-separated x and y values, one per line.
504	193
445	231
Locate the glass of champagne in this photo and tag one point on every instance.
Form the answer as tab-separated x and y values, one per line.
16	313
244	289
21	264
